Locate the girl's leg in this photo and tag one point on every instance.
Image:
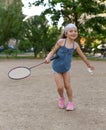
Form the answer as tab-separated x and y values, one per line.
60	89
67	85
66	78
60	84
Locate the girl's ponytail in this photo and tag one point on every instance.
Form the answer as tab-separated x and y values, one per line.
62	35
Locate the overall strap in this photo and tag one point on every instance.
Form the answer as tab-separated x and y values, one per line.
64	42
73	44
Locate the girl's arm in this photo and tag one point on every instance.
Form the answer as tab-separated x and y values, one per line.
84	58
53	51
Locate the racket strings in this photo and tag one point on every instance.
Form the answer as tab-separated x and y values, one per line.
19	73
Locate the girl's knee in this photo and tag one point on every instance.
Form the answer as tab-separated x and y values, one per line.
60	89
67	86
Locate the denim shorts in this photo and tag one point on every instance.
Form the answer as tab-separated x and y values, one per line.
61	72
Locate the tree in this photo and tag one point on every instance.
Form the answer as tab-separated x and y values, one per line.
85	14
11	23
17	26
52	36
36	32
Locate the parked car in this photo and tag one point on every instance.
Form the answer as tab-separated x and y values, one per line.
1	48
102	48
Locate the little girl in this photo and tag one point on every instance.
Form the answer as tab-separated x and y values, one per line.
61	66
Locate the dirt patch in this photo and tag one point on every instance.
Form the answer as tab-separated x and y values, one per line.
31	104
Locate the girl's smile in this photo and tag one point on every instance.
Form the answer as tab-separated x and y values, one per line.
72	33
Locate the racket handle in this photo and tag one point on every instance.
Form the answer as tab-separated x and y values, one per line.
55	57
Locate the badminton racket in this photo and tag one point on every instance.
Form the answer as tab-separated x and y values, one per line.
22	72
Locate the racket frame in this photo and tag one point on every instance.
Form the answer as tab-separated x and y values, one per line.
17	68
28	68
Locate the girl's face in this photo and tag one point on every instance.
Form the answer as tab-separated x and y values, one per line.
72	33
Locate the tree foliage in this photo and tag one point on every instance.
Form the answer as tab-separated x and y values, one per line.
11	23
85	14
36	32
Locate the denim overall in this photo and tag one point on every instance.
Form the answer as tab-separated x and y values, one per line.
63	63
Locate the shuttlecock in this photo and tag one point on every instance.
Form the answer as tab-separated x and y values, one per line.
90	71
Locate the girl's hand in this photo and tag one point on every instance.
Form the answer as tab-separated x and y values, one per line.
91	67
47	60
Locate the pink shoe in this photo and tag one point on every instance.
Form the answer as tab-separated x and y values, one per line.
61	103
70	106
